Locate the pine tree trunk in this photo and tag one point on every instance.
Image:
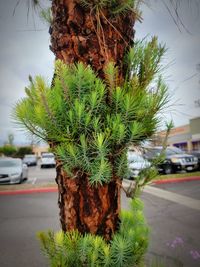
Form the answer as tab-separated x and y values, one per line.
88	209
79	35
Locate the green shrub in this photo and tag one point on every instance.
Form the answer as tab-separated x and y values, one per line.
127	247
8	150
22	151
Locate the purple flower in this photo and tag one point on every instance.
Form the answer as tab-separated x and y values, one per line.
173	245
177	241
195	254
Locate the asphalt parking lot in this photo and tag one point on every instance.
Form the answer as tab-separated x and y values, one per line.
22	216
36	175
166	209
190	189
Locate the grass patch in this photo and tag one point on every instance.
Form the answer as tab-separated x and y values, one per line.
178	175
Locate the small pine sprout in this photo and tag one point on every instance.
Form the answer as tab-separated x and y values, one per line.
59	238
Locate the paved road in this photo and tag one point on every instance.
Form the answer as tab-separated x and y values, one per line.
36	175
23	215
172	210
190	189
167	221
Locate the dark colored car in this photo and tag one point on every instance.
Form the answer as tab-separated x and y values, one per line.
196	153
174	160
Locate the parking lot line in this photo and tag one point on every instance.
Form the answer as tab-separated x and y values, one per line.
34	180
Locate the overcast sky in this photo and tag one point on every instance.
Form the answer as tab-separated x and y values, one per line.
25	51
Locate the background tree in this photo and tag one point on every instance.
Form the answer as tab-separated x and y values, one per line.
10	139
22	151
8	150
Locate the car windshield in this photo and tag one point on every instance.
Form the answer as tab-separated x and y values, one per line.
47	156
169	151
29	156
135	158
153	152
175	150
9	163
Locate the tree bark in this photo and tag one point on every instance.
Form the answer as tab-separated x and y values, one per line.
87	208
79	34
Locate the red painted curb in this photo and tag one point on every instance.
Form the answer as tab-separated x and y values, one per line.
29	191
177	180
54	189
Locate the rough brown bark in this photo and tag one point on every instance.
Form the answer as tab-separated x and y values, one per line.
78	34
88	208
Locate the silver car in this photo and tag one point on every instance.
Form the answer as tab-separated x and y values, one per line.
136	163
30	160
12	171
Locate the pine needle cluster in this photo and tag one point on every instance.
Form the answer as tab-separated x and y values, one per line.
115	7
91	122
126	248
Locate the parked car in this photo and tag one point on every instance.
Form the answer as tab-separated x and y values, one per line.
30	160
136	163
47	160
12	171
175	160
196	153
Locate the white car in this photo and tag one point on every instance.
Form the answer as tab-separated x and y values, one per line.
30	160
12	171
47	160
136	163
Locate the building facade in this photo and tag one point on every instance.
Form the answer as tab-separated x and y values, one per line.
38	150
186	137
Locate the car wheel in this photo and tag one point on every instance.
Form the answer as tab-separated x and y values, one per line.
21	179
168	169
